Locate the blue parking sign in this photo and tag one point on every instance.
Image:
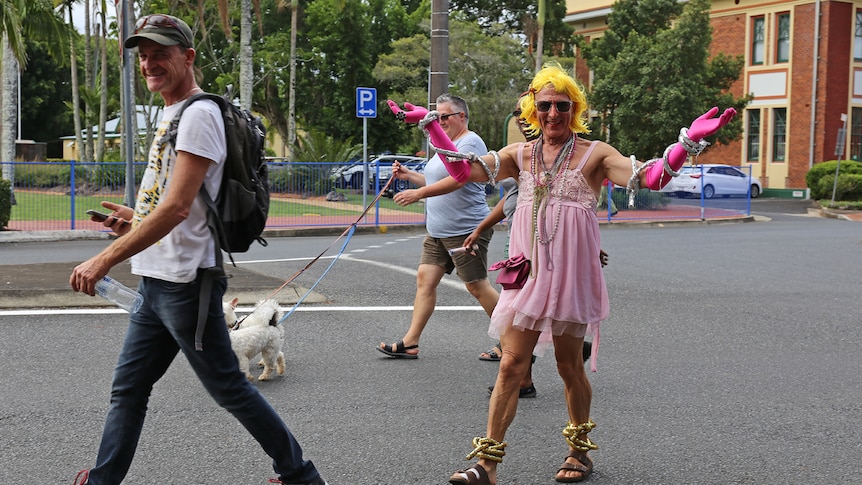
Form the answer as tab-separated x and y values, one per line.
366	102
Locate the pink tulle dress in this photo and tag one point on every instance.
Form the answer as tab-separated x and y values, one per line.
566	291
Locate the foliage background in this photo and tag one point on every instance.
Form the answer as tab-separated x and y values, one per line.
344	44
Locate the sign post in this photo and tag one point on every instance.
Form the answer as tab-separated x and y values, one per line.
366	107
839	151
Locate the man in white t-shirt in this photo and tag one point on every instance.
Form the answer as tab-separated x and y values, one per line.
172	249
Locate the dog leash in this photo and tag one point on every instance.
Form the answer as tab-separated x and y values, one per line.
347	231
332	263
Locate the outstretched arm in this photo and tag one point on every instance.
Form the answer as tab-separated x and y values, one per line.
458	169
657	176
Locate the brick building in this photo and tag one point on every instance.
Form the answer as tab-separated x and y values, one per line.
784	43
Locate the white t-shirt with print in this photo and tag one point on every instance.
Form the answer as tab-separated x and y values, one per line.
190	245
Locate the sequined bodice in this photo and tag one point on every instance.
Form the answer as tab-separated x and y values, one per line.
571	186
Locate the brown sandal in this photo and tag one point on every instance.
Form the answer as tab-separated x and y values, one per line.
584	466
475	475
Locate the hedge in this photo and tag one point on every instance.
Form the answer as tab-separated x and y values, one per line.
5	203
821	180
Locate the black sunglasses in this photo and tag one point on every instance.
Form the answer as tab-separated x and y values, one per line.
159	21
446	117
562	106
516	113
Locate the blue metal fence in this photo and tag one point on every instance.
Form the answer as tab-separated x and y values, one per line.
56	195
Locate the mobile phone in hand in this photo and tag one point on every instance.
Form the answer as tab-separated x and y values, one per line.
99	216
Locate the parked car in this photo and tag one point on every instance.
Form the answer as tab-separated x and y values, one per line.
713	180
342	176
380	168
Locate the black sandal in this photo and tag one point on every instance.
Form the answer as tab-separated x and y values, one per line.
398	350
492	355
523	393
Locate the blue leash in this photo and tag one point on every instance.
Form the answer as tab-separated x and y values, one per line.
331	264
349	232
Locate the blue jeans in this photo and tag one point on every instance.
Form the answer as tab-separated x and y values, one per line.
165	325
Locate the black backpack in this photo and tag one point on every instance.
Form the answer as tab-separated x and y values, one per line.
238	216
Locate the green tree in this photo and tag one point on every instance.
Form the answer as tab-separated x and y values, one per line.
520	16
653	74
20	19
475	73
342	42
45	116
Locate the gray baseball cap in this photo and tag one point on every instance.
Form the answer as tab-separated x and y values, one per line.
160	28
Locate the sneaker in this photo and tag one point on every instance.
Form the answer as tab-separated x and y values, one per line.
81	477
523	393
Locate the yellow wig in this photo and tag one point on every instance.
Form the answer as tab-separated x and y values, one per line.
552	74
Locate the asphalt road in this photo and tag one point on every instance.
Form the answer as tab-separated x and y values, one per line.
731	355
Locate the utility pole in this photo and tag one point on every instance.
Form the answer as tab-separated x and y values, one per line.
540	35
439	76
839	152
291	109
129	108
246	65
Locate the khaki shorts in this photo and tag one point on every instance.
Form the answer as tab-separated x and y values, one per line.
470	268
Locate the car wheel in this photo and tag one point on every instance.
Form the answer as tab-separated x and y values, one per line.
708	191
755	191
401	185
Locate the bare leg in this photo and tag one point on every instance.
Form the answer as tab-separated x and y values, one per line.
427	279
517	352
579	394
484	293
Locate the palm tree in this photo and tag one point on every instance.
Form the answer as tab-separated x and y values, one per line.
246	64
103	84
13	54
73	61
33	19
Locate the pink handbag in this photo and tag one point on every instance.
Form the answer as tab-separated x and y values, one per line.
513	272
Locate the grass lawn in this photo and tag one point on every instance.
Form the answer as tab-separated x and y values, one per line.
46	206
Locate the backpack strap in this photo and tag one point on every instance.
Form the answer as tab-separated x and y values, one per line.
212	219
207	280
210	274
217	271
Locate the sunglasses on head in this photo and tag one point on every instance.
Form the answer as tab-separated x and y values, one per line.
446	117
545	106
159	21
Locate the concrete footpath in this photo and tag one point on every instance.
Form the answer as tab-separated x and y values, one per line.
47	285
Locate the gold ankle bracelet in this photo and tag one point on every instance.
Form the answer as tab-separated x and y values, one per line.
573	432
488	449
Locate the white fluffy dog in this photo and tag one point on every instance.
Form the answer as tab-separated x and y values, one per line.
259	333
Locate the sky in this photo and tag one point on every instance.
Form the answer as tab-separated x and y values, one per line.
78	14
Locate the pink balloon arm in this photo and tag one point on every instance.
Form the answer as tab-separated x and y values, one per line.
705	125
655	177
458	169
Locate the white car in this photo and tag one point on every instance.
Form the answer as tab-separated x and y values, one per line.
713	180
352	176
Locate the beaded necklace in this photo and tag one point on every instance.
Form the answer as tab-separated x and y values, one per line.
542	188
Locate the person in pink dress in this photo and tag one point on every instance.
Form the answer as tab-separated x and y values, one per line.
555	227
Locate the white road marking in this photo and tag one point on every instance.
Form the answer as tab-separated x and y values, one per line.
107	311
456	284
